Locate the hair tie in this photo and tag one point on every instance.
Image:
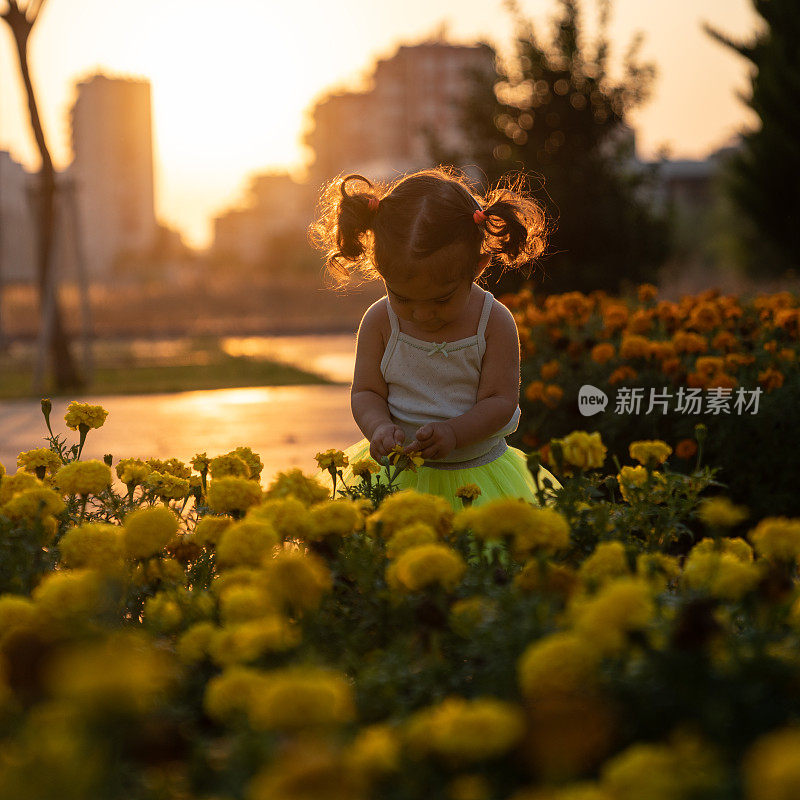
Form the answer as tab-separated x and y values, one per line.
372	202
479	217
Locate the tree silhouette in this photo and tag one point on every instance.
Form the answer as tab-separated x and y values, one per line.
21	18
763	177
552	113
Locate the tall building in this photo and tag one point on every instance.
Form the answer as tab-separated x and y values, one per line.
17	229
384	130
113	169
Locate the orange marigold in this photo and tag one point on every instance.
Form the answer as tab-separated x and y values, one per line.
686	448
603	352
624	373
634	346
549	370
771	378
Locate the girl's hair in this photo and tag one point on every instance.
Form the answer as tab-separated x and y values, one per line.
375	231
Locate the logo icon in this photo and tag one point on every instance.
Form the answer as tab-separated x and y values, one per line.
591	400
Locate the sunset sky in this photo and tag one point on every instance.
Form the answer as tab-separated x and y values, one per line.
231	81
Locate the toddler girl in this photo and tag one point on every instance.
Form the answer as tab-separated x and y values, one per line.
437	358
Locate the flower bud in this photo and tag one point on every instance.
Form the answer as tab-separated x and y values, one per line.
108	459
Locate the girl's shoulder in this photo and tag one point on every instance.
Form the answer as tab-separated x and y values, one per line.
376	323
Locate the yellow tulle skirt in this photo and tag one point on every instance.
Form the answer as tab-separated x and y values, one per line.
507	476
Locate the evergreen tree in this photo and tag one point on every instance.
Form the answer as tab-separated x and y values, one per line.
763	177
553	114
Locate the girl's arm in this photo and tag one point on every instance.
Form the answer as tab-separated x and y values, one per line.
369	392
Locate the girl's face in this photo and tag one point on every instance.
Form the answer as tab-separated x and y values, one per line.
426	301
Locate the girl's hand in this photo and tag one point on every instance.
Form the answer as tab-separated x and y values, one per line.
434	440
384	438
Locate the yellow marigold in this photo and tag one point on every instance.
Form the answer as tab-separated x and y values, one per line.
248	641
35	503
583	450
165	486
646	450
603	353
634	346
608	560
467	614
335	518
253	461
229	465
132	471
210	528
719	512
365	467
735	546
170	466
243	602
621	606
465	730
657	569
560	663
233	495
375	751
397	455
96	545
770	768
550	369
302	697
84	414
469	491
231	693
162	613
306	489
633	479
427	565
148	530
410	536
686	766
547	578
201	462
19	482
2	470
530	528
331	458
83	477
722	574
125	672
777	538
68	598
192	645
296	580
408	506
245	542
289	516
39	461
15	611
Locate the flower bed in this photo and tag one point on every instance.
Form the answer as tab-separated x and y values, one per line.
183	633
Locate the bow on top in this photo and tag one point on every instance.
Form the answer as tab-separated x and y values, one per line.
439	348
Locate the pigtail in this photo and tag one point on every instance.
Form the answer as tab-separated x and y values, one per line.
516	229
343	229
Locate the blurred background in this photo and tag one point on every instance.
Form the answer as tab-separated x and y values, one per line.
161	160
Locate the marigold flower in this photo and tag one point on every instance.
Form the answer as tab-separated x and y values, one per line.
83	477
647	450
583	450
771	769
253	461
375	751
233	495
230	693
720	573
427	565
66	598
719	512
148	530
250	640
602	353
647	292
549	370
365	467
289	516
201	462
229	465
736	546
32	504
132	471
409	506
162	613
306	489
622	605
166	487
410	536
96	545
634	346
193	644
632	479
686	448
770	378
641	321
777	538
302	697
467	614
688	342
465	730
84	414
560	663
334	518
623	373
609	560
245	542
210	528
296	580
331	459
37	461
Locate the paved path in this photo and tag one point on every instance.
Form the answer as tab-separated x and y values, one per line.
285	425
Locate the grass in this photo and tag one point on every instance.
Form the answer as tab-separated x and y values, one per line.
221	372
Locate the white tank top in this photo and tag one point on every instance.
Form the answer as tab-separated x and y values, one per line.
430	382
